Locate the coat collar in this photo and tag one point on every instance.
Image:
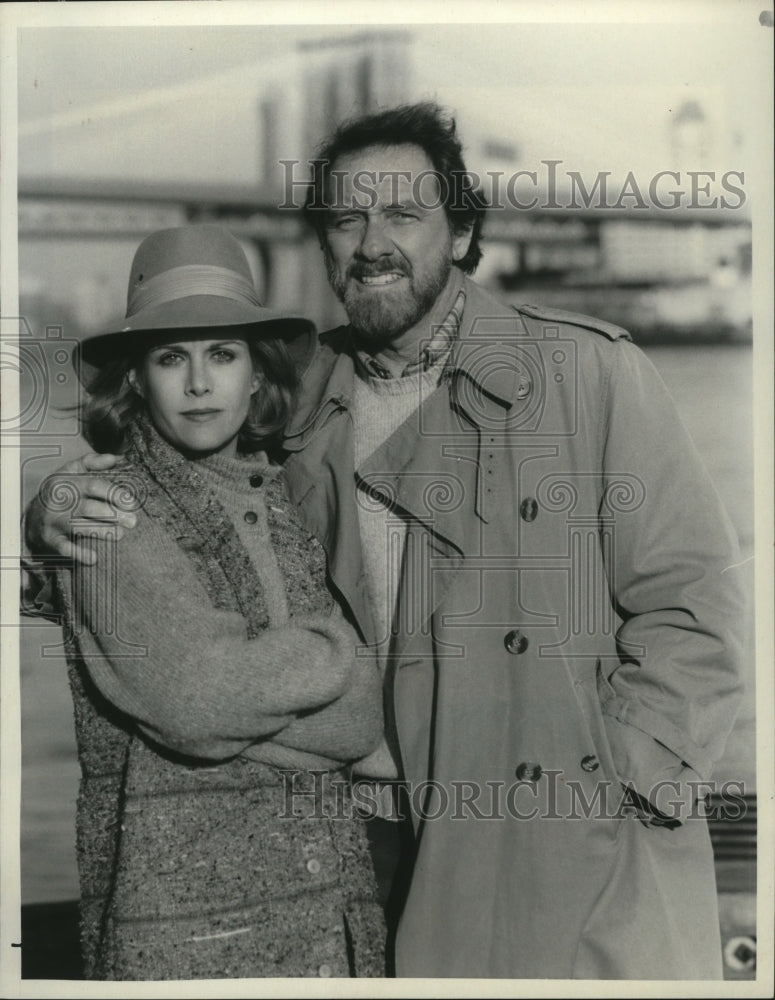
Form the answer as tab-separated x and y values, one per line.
486	323
328	383
439	458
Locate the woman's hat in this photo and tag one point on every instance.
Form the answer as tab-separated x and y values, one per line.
193	278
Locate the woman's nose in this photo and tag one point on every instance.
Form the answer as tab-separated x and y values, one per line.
198	380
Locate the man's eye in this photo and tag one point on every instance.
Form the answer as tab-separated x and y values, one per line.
405	217
344	222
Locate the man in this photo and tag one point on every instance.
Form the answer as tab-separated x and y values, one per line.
525	537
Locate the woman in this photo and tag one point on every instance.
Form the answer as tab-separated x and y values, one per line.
217	696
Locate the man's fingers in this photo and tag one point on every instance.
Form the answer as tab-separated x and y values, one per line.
94	462
76	465
93	488
90	462
97	529
79	553
69	494
99	499
75	544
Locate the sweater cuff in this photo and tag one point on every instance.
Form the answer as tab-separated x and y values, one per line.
37	590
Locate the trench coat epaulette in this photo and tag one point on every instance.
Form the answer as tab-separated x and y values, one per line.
337	339
610	330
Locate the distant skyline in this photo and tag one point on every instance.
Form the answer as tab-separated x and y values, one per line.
180	102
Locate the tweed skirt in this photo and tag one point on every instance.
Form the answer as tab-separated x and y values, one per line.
234	870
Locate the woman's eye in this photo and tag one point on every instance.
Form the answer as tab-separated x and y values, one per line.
170	358
223	355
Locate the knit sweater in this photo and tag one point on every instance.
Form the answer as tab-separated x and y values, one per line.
388	390
194	861
186	671
240	484
379	407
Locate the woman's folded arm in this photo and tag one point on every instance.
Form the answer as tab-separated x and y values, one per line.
186	671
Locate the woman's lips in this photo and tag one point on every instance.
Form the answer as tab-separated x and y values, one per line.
199	416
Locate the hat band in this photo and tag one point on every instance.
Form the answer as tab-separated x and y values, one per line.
191	279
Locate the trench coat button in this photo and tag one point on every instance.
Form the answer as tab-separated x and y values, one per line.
590	763
325	971
528	771
313	866
251	517
256	480
528	509
515	642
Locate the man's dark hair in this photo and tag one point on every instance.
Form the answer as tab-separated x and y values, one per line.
425	125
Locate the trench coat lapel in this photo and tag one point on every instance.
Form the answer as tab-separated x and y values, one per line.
325	498
425	475
440	469
319	473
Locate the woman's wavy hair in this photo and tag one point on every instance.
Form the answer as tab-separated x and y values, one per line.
111	403
426	125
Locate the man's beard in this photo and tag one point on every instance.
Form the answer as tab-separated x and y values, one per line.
383	315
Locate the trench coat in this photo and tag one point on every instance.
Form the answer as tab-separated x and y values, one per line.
568	626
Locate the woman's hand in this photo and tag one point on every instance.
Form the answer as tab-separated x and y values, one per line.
53	528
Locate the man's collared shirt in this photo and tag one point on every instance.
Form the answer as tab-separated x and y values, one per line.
439	346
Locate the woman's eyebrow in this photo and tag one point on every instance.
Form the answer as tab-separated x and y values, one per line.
167	347
181	347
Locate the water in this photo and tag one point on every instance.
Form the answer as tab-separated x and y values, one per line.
712	388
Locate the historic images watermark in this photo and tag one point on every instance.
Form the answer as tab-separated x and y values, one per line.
511	443
551	185
550	795
43	367
68	494
537	373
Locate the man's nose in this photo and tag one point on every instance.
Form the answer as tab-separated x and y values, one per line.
198	382
376	242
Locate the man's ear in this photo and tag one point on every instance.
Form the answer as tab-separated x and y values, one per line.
461	242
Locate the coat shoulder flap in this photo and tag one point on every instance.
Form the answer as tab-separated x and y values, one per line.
549	315
335	339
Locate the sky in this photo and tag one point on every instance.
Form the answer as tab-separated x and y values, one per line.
68	67
174	103
107	97
108	100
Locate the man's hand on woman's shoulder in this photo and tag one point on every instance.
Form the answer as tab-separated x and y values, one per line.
54	528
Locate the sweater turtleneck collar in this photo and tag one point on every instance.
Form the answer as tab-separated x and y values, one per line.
232	473
236	472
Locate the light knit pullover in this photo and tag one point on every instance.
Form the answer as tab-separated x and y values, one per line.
379	407
239	483
203	687
388	391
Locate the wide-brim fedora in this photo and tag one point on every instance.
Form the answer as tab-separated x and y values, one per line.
193	278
